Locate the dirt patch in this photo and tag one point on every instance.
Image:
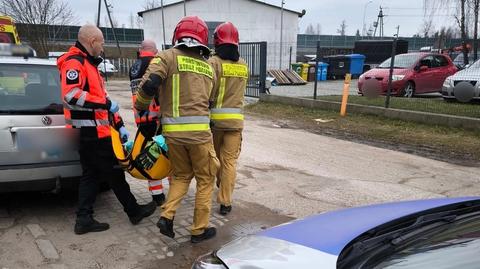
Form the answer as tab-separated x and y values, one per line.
452	145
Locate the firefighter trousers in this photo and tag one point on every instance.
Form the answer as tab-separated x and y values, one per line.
190	161
227	146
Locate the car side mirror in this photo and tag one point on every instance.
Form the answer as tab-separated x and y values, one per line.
423	68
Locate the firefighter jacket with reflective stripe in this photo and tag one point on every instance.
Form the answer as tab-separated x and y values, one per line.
85	100
136	73
187	81
228	97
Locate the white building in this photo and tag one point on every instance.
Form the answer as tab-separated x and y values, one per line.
256	21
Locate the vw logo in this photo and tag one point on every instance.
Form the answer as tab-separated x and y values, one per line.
46	120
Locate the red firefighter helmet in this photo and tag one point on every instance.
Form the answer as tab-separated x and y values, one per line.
226	33
193	27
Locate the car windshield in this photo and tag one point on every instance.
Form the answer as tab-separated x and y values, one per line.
475	65
459	59
455	247
29	89
401	61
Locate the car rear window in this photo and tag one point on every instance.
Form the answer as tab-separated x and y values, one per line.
29	89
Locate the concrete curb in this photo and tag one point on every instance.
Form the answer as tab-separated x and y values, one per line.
407	115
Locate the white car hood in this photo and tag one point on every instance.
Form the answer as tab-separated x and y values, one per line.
261	252
469	74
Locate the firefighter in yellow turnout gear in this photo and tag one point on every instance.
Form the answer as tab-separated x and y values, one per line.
226	113
186	82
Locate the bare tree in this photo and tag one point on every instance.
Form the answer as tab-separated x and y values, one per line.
310	30
319	29
461	22
475	5
115	23
38	15
149	4
459	14
343	28
426	28
139	22
131	20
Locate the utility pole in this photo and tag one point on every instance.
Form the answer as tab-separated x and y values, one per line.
113	28
163	26
379	23
98	12
281	35
184	8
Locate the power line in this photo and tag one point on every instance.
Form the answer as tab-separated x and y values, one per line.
418	8
408	15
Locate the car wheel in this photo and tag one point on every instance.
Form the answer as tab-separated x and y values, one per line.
449	100
409	90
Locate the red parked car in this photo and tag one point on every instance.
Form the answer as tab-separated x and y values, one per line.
413	73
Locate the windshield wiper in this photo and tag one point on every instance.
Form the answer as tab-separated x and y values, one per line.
389	237
382	240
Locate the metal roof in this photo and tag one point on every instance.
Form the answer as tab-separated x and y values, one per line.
300	14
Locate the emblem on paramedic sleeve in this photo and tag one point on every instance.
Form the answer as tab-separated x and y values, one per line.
72	74
134	72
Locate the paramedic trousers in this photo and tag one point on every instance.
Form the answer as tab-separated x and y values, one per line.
190	161
100	164
227	146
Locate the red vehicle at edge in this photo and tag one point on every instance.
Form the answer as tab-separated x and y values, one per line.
413	73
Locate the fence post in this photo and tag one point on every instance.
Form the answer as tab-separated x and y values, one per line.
263	66
317	58
290	61
392	65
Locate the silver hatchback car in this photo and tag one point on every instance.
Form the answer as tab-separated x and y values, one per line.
470	78
36	149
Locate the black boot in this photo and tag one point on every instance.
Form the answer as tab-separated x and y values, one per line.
87	224
166	227
159	199
143	211
207	234
224	210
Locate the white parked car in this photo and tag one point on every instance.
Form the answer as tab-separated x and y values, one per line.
36	149
106	67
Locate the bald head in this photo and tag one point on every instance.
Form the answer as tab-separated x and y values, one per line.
149	45
92	39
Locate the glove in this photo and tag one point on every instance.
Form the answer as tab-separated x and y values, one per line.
114	107
124	134
148	157
142	113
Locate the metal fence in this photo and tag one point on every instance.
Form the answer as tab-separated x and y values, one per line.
335	41
255	54
420	93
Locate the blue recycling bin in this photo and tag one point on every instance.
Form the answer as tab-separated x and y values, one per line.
356	63
322	71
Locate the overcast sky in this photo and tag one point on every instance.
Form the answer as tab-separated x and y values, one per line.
329	14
